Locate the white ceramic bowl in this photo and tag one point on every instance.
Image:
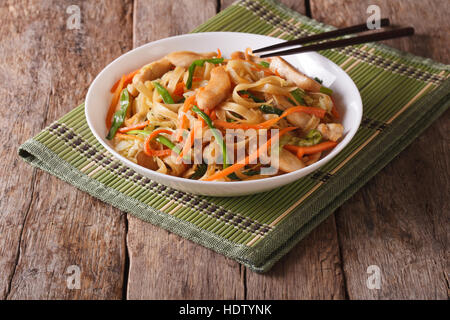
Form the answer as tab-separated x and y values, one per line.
345	93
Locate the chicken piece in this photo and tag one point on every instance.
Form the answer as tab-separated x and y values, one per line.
185	58
331	131
287	71
238	55
146	161
303	120
288	162
216	90
151	71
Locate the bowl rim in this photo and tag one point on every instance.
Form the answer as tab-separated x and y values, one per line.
341	145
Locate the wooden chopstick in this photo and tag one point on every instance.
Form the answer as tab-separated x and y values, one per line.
323	36
377	36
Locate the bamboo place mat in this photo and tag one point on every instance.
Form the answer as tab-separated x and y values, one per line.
402	95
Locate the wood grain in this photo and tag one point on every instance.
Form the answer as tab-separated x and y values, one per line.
429	18
311	270
164	265
399	222
49	224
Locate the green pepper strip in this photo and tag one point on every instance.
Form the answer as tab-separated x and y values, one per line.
298	96
199	63
167	98
269	109
251	96
200	171
265	64
326	90
161	139
312	138
218	136
119	115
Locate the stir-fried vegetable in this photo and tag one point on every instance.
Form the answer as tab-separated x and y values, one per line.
167	98
318	112
119	116
265	64
313	137
163	140
215	133
270	109
159	138
134	127
251	157
301	151
326	90
199	63
149	151
298	96
199	171
250	95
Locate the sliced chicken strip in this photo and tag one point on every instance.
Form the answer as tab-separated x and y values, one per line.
151	71
287	71
331	131
288	162
185	58
216	91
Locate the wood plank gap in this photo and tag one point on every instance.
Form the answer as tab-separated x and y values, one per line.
341	257
33	185
126	268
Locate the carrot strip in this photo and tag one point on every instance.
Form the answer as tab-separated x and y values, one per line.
213	115
128	137
135	127
233	168
301	151
334	111
182	121
267	124
219	53
128	79
188	145
149	151
247	54
115	99
179	89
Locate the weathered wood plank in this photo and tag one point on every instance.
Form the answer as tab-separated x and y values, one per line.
429	18
398	221
311	270
49	224
164	265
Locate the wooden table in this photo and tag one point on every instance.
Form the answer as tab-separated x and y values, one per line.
398	221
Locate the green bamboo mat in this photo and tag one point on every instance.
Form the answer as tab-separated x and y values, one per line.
402	95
